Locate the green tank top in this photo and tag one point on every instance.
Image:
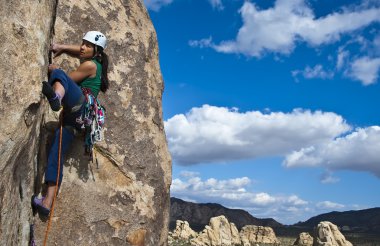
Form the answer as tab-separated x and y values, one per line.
95	82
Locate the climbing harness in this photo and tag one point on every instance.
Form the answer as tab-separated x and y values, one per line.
58	173
92	120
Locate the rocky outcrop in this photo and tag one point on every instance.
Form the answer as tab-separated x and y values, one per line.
328	234
251	234
199	214
24	36
304	239
183	231
123	197
219	232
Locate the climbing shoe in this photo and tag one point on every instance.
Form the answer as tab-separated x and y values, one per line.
54	99
37	206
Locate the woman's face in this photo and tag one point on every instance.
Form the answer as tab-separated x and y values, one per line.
86	50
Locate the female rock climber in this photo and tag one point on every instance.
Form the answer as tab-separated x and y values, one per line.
66	90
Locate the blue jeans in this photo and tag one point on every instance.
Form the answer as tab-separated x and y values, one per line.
73	98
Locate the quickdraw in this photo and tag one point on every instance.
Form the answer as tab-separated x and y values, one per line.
92	120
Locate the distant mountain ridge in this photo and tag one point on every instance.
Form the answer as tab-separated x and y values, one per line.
366	220
198	215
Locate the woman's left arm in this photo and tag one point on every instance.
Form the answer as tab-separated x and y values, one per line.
85	70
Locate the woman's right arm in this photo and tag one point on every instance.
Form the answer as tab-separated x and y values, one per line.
72	50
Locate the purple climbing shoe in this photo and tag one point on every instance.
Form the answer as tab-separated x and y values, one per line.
37	204
54	100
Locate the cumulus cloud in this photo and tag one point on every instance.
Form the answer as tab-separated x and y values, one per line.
155	5
219	134
358	151
278	29
230	191
365	69
237	193
329	205
314	72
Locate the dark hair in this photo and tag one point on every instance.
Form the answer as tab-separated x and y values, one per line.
102	58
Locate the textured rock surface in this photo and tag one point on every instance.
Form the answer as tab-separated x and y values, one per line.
251	234
304	239
24	46
328	234
183	231
219	232
126	200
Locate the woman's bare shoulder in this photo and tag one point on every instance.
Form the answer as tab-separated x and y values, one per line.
88	65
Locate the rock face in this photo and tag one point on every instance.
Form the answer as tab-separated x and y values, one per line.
124	200
304	239
183	231
251	234
24	46
218	232
328	234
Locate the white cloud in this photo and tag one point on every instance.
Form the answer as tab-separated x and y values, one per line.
262	199
295	200
188	174
329	205
206	42
357	151
365	69
316	72
217	4
342	58
279	28
232	192
155	5
218	134
327	178
236	193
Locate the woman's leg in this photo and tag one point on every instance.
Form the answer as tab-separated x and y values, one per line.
61	89
52	166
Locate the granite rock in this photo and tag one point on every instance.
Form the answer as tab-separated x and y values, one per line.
219	232
251	234
328	234
304	239
123	197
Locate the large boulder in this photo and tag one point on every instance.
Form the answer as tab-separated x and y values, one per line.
328	234
251	235
25	32
183	231
304	239
219	232
123	197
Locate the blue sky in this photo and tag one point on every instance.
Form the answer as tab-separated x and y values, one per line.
272	106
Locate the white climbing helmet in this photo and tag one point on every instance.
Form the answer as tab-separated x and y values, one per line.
96	38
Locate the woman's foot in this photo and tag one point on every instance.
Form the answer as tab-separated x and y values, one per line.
37	204
52	96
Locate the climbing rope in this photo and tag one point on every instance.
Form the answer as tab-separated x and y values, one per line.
57	181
